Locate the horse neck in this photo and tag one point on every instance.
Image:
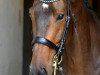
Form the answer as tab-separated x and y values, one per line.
81	16
81	28
78	50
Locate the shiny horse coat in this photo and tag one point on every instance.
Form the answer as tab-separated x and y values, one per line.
81	54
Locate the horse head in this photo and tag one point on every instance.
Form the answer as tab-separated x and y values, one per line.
48	21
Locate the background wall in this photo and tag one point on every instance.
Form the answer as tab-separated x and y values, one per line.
11	37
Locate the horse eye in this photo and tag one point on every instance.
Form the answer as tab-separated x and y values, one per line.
60	16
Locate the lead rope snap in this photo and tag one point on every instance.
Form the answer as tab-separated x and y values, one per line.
55	64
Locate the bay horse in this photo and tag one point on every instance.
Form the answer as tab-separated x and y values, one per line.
64	30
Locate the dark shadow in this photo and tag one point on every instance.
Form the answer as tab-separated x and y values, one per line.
27	37
96	6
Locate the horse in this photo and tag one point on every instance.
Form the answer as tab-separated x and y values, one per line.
66	38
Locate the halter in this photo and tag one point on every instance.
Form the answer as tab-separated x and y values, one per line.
48	1
59	48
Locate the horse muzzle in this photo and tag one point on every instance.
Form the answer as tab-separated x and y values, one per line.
38	71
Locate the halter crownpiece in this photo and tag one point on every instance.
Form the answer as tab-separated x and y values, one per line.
48	1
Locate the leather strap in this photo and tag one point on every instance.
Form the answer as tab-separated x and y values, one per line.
44	41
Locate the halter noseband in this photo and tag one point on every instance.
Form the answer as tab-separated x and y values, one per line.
60	46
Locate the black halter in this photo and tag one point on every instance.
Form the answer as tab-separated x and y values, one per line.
60	46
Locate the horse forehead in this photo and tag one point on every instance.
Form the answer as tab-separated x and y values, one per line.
45	6
55	5
59	5
41	7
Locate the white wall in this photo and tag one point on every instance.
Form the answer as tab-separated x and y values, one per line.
11	37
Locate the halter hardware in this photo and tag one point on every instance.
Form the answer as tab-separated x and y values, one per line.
55	64
48	1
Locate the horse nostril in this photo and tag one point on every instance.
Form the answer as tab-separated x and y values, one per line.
37	71
43	71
